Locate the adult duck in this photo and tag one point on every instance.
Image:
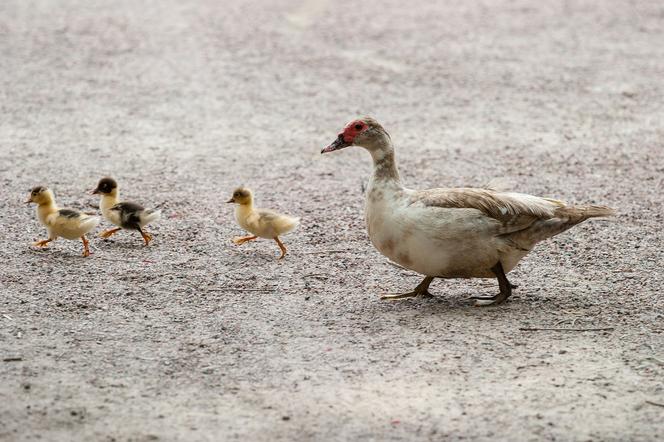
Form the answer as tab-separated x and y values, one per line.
452	232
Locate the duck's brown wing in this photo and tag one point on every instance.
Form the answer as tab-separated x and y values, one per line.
502	206
522	219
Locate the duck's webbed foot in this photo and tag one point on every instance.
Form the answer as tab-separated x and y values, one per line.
422	291
110	232
281	246
146	236
239	240
42	243
505	289
86	247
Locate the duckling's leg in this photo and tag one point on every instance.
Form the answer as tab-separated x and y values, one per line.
505	289
146	236
281	246
108	233
42	243
239	240
86	249
422	290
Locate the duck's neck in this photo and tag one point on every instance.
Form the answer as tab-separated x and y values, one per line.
108	201
244	210
385	166
44	210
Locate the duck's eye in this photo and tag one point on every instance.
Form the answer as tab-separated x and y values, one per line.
358	127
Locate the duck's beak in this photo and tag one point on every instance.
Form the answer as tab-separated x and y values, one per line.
28	201
337	144
230	200
94	192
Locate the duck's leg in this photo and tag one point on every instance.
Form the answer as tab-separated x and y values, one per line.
422	290
505	289
281	246
108	233
239	240
86	248
146	236
42	243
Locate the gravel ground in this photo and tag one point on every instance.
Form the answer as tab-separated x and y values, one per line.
194	338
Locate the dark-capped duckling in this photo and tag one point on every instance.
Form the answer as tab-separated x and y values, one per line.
125	214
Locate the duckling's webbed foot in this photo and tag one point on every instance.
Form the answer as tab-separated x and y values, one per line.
239	240
42	243
146	236
108	233
422	291
505	289
281	246
86	248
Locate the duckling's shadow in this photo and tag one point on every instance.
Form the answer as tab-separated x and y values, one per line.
259	256
62	256
108	244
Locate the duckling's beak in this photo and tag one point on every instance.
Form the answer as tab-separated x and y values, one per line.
337	144
28	201
94	192
232	200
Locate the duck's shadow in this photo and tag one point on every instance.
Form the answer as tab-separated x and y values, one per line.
57	256
440	305
125	244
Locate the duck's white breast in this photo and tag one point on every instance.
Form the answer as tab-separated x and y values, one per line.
111	215
432	241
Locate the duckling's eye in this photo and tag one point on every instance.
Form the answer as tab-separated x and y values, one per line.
358	127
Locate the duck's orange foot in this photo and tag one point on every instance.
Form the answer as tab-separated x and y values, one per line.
282	247
86	247
147	238
239	240
42	243
108	233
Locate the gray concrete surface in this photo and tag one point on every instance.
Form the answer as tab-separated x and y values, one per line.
194	338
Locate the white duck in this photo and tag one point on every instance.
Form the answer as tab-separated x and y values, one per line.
66	223
452	233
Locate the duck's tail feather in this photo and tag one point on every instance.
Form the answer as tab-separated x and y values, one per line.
151	215
89	223
582	213
287	224
565	218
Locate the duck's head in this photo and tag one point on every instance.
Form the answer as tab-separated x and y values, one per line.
106	186
241	196
40	195
365	132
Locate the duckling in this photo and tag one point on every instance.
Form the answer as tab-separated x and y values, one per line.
125	215
67	223
260	222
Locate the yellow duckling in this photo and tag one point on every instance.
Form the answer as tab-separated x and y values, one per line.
260	222
67	223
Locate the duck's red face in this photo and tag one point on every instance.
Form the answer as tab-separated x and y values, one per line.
347	136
